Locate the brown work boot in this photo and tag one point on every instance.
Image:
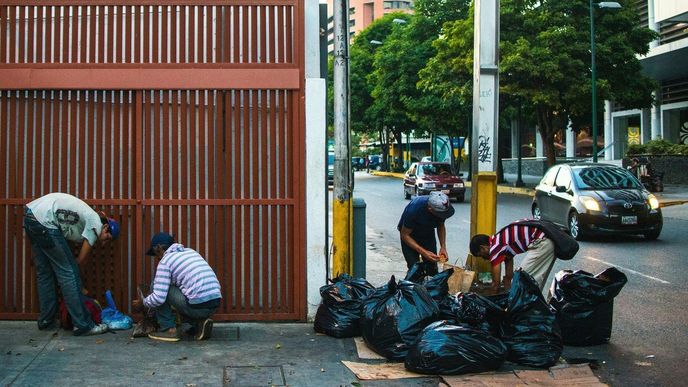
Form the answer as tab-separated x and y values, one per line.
204	329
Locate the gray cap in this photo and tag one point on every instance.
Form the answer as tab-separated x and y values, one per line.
438	204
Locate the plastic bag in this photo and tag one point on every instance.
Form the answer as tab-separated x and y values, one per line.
584	304
446	348
113	318
530	330
339	313
473	309
394	315
437	285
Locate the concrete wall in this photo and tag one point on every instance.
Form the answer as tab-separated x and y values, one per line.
316	186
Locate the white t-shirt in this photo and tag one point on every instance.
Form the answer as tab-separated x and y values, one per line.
76	219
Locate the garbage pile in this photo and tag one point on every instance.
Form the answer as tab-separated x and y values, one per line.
415	320
584	304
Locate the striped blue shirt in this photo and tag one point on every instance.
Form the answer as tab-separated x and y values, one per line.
187	270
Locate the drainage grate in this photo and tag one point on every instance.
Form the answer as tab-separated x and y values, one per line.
254	376
225	333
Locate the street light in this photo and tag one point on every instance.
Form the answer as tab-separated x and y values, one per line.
603	4
376	42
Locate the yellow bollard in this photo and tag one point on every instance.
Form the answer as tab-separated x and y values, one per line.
341	237
483	213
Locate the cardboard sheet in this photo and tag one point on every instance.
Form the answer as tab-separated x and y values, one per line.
380	371
567	375
364	352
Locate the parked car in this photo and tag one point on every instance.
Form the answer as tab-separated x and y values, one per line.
592	199
423	177
374	162
426	159
357	163
330	168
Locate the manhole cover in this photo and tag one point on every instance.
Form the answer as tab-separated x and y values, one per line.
254	376
225	333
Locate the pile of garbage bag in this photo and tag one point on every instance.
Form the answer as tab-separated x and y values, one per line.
584	304
447	348
437	285
340	312
394	315
530	329
473	309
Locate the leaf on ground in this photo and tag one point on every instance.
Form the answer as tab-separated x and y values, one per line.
183	358
99	341
61	349
278	346
322	370
643	364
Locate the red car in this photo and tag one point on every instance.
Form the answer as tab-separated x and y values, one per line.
425	177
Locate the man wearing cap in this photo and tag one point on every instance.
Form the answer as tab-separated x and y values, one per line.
50	221
185	281
417	227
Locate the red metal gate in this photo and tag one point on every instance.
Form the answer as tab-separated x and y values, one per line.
171	116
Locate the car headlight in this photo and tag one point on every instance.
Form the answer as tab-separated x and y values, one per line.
590	203
653	202
458	185
429	185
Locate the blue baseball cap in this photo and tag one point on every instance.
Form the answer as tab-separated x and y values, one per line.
113	226
160	239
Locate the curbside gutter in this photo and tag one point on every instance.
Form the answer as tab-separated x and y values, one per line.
504	189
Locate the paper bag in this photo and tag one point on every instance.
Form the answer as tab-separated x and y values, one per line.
461	280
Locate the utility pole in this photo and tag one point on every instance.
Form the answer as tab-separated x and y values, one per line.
485	122
341	203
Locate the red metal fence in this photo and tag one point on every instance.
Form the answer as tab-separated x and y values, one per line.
170	116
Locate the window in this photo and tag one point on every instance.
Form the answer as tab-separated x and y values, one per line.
397	4
549	176
563	178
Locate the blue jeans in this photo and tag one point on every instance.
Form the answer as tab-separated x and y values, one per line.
177	299
411	256
55	262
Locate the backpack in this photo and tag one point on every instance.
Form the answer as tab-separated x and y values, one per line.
565	247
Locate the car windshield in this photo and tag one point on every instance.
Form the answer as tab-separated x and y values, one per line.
601	178
434	169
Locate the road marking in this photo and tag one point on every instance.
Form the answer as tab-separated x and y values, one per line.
629	270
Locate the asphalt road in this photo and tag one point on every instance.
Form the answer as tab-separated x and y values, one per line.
649	344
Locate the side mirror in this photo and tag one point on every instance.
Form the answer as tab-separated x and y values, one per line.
561	188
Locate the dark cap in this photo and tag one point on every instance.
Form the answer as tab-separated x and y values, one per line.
160	239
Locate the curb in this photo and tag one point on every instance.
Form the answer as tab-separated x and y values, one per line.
504	189
670	203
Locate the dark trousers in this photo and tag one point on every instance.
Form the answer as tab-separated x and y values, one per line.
412	256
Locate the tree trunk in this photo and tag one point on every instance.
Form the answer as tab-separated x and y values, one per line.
546	124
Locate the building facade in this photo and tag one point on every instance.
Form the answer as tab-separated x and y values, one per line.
666	63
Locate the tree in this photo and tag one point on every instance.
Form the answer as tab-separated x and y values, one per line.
545	60
365	117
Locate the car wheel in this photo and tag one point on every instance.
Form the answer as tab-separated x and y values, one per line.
652	235
407	195
537	214
460	198
574	226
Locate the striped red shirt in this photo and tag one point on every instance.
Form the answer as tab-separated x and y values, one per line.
512	240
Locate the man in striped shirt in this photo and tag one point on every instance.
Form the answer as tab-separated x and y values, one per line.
512	240
185	281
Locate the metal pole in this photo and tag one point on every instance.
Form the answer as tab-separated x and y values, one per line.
594	83
341	206
519	178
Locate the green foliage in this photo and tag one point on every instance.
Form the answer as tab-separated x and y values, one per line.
658	147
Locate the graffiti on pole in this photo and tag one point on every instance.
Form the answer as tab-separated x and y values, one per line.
484	150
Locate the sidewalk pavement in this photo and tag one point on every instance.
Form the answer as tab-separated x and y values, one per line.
238	354
674	194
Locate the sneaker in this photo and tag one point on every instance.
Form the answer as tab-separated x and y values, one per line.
44	325
97	329
165	336
204	330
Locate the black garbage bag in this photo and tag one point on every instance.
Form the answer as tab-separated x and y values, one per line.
416	273
584	304
340	312
530	330
437	285
394	315
472	309
447	348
